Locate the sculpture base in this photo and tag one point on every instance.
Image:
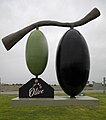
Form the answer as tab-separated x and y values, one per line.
56	101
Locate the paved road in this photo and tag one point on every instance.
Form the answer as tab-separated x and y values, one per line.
93	91
56	92
14	92
85	91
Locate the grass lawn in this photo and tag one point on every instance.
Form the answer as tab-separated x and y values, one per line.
8	112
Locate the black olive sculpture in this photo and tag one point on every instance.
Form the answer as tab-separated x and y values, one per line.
72	57
72	62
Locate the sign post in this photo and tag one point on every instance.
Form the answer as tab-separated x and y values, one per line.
0	85
104	80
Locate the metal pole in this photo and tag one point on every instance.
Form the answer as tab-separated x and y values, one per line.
104	80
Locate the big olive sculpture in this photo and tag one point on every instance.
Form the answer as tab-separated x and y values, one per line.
72	59
72	62
36	52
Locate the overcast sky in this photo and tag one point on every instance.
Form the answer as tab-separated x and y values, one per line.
17	14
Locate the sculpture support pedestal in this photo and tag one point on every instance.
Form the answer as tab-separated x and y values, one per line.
36	92
56	101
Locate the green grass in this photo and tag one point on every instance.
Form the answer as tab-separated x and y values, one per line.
8	112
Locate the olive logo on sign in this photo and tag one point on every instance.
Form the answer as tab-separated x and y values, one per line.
36	89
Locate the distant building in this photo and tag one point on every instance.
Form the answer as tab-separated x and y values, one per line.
97	86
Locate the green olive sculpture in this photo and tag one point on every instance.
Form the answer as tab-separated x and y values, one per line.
36	52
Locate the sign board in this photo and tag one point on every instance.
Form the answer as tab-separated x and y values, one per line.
36	88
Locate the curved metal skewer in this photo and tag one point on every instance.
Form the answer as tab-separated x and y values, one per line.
10	40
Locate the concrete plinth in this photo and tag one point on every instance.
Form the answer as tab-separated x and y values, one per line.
56	101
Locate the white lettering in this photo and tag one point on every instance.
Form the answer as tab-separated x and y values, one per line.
35	90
